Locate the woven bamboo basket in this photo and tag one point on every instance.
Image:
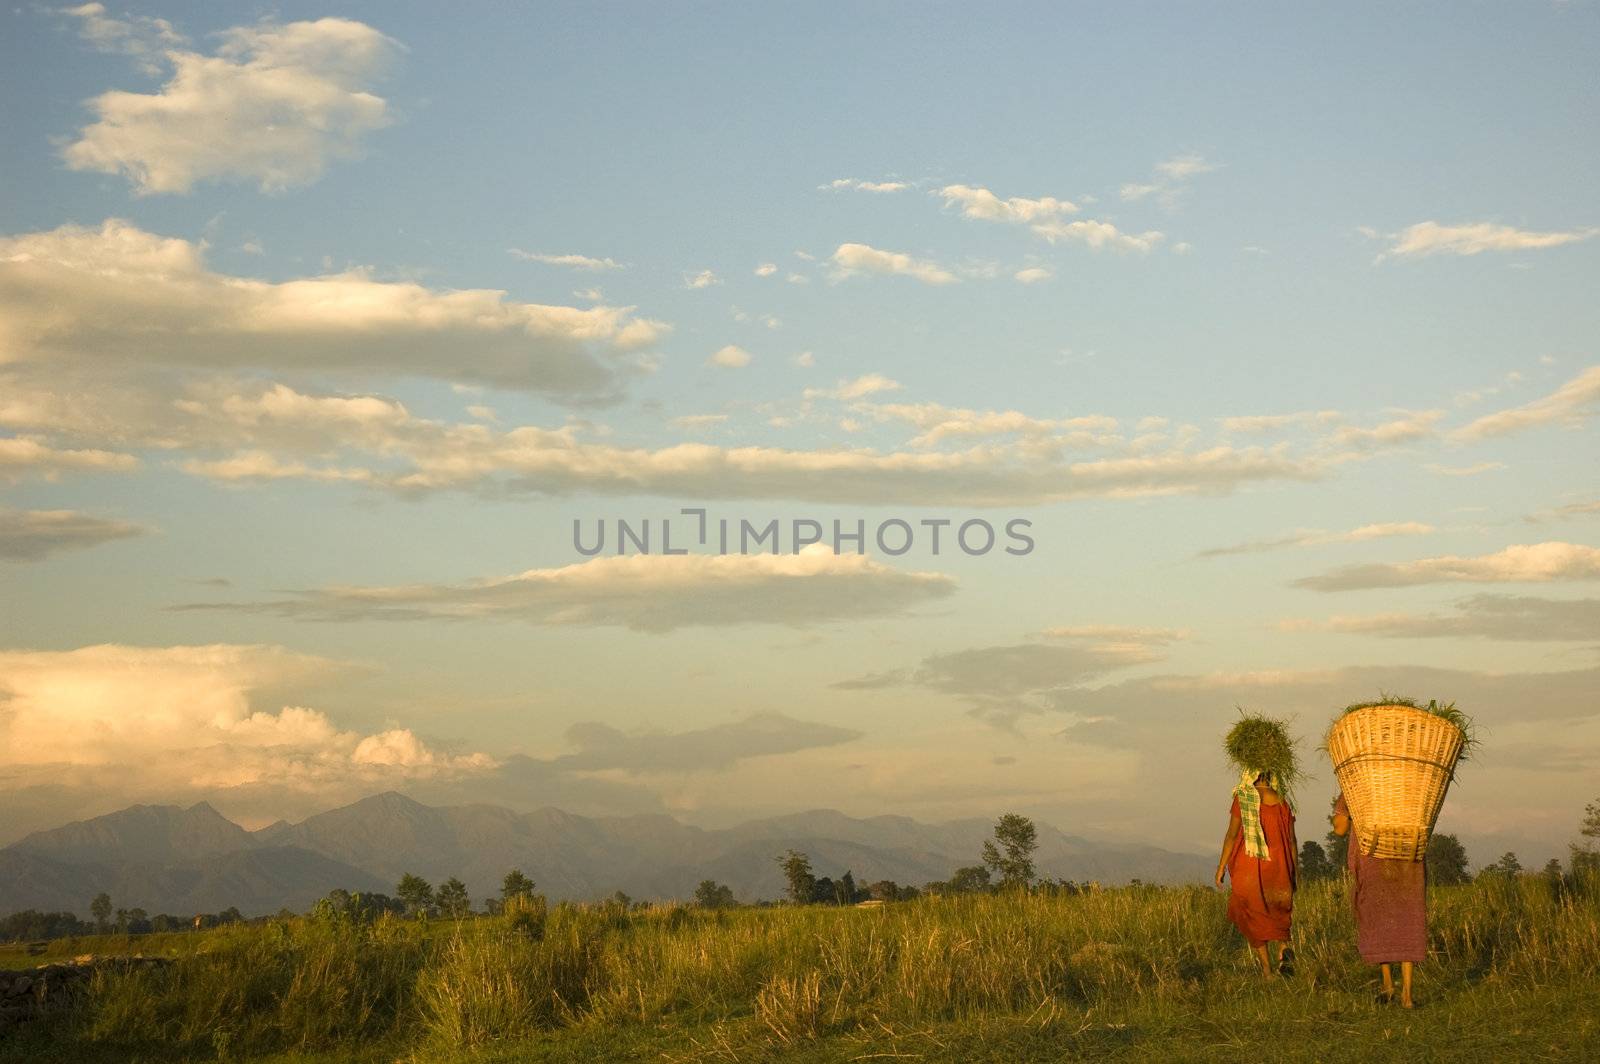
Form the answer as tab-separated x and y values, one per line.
1394	764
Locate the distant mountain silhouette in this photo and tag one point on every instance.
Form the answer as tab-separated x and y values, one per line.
182	861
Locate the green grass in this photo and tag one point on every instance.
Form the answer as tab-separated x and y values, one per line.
1127	974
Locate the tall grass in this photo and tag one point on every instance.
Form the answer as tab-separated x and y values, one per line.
788	976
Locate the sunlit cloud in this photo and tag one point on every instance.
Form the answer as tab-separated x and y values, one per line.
275	105
1523	563
643	592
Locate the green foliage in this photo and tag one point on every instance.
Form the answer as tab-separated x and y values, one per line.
1009	854
515	885
416	893
1314	864
797	871
1135	965
713	895
452	898
100	909
1261	744
1447	861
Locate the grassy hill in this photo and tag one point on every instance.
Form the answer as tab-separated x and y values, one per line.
1139	973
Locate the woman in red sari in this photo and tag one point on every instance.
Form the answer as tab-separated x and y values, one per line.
1258	854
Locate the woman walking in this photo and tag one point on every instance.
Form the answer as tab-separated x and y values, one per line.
1258	855
1391	903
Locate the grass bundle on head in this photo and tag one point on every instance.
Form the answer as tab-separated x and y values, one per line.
1261	744
1444	710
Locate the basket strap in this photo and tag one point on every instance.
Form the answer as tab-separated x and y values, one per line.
1354	758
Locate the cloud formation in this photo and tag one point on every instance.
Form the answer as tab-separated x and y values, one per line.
1510	617
1317	538
1431	238
118	295
576	262
852	259
275	105
1046	217
602	747
33	535
1570	405
185	714
644	592
1523	563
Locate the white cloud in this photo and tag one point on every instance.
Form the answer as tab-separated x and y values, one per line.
21	455
576	262
1318	538
731	356
1099	235
860	258
805	360
1032	275
120	296
1569	404
185	710
1410	427
1170	181
1523	563
647	592
32	535
1431	238
860	388
843	183
766	269
144	38
274	105
983	205
702	279
1183	167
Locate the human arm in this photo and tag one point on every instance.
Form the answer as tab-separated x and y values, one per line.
1228	841
1341	817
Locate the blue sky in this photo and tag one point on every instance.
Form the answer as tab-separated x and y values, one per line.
337	309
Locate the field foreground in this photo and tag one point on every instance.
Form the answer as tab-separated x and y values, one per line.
1136	973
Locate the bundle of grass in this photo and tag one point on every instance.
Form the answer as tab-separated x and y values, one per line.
1395	760
1443	710
1259	744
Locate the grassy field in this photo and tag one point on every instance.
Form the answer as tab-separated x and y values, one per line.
1127	974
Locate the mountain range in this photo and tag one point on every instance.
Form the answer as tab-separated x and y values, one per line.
182	861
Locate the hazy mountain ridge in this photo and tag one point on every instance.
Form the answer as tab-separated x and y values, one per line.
169	859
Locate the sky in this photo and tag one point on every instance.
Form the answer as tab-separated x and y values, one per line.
321	330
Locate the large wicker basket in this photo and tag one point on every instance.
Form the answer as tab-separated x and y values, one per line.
1394	764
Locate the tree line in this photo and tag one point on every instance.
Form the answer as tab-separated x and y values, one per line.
1005	863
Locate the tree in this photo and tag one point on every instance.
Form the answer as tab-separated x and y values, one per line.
713	895
621	900
452	898
1447	861
1507	866
1552	868
1010	853
823	891
1586	858
797	871
415	892
100	909
1314	863
1338	849
846	889
973	879
515	885
884	890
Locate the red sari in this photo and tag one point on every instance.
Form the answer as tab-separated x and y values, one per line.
1263	891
